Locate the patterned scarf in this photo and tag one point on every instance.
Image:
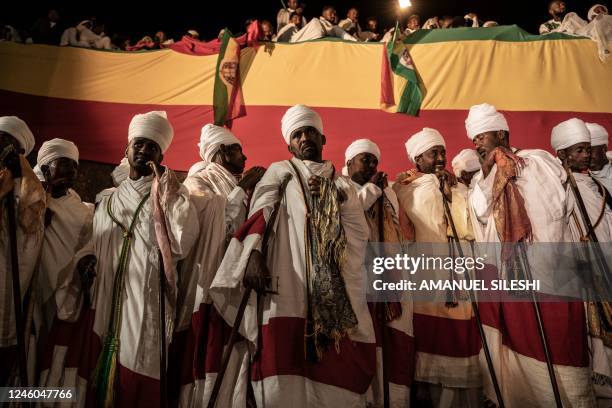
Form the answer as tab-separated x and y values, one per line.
330	314
511	219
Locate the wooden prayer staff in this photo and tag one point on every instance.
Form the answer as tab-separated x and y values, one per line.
536	307
483	339
590	233
381	315
245	300
9	154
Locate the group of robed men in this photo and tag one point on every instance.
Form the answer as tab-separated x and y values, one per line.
294	235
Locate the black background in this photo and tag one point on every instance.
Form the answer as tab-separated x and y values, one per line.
136	19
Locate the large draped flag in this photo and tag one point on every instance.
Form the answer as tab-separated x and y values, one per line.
401	64
228	103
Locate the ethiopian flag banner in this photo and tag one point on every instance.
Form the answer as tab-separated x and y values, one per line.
228	103
401	64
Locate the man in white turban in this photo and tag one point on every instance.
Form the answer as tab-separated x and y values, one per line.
65	269
298	365
146	220
220	193
324	26
20	188
465	165
362	158
601	170
437	373
572	140
506	205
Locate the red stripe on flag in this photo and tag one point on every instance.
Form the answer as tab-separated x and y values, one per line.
100	129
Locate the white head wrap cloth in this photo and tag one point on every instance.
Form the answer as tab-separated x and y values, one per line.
357	147
196	167
299	116
591	14
569	133
484	118
121	172
211	138
153	126
19	130
467	160
56	148
423	141
599	134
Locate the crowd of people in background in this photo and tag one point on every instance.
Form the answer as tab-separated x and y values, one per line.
291	26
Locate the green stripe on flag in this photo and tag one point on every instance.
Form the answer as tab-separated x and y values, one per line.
220	96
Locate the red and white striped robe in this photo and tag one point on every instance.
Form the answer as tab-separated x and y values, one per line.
446	339
398	334
510	327
201	333
138	358
281	377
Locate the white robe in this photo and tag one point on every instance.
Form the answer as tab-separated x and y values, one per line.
604	176
320	28
221	207
398	332
28	250
59	294
452	378
524	379
285	33
601	356
284	377
139	332
282	18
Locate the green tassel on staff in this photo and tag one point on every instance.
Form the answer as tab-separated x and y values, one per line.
105	374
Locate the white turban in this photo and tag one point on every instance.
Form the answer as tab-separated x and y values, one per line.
56	148
153	126
19	130
211	138
196	167
357	147
599	134
423	141
591	15
569	133
484	118
299	116
121	172
467	160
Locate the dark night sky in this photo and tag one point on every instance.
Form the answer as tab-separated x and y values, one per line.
139	18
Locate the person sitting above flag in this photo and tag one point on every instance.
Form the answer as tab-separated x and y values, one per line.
600	167
556	9
372	33
285	33
316	327
414	24
351	23
596	11
395	346
324	26
20	188
284	15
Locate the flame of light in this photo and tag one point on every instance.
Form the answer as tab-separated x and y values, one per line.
404	3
